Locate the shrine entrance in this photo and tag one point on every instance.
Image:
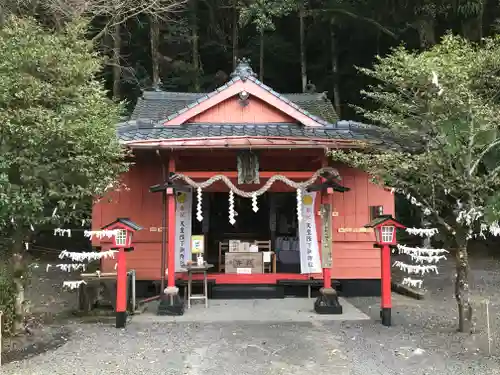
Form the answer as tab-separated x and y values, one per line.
274	226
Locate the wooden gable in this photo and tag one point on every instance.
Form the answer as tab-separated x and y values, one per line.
256	111
256	91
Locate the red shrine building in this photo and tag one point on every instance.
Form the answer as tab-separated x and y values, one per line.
238	164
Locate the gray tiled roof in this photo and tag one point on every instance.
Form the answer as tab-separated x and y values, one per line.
160	105
145	122
342	130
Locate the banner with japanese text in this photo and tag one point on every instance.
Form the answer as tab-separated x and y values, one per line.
183	216
308	239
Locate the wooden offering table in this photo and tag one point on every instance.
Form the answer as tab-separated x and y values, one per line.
194	268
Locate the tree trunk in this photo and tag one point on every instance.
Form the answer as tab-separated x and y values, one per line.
235	38
18	271
154	35
426	32
335	67
195	44
472	27
462	289
303	62
115	60
261	56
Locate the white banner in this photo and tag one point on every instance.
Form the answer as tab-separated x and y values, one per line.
308	239
183	216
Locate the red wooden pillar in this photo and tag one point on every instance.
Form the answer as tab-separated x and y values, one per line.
171	230
121	289
327	271
385	280
327	197
170	301
327	302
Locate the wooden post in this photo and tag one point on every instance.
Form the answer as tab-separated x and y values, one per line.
326	244
170	301
1	322
171	230
385	279
327	302
121	290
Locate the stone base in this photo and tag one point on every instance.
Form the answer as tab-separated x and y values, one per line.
328	302
171	304
385	315
121	319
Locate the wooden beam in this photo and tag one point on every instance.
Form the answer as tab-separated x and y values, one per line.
233	174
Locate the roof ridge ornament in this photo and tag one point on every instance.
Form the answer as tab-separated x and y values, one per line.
243	70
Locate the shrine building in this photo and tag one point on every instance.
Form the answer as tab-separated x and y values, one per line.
238	176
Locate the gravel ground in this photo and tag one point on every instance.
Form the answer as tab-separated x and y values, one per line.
423	340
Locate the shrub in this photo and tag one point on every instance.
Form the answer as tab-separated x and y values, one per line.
7	299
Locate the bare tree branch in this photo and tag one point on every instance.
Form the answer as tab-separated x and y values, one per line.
119	11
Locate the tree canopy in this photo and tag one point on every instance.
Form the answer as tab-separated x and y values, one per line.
445	100
58	144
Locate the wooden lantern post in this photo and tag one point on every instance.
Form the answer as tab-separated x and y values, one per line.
122	241
327	302
170	301
385	236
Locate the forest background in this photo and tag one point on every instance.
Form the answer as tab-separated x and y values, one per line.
293	45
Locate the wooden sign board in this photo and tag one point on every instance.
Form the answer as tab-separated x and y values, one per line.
244	263
326	236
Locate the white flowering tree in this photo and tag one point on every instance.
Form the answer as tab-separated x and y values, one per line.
58	146
445	100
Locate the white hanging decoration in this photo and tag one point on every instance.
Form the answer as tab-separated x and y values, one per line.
420	251
415	269
423	232
54	212
26	245
89	257
414	283
468	216
299	205
32	228
73	284
62	232
68	267
426	259
199	211
100	233
255	208
231	208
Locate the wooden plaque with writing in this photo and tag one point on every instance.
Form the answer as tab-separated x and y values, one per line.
326	236
253	261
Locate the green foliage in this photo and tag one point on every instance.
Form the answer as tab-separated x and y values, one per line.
447	99
58	143
7	299
262	12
